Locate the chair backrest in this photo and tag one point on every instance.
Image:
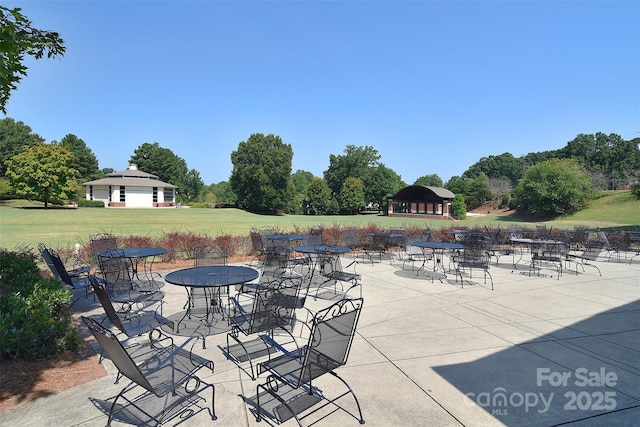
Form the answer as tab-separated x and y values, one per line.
102	242
52	258
103	296
256	241
331	337
477	247
46	256
273	307
350	238
117	353
210	255
315	236
116	270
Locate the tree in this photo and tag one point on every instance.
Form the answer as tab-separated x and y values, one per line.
318	197
432	180
554	187
504	166
43	172
380	183
84	161
261	175
301	180
14	136
168	167
223	193
459	207
354	163
352	195
17	39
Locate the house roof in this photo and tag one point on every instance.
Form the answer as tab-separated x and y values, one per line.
423	192
131	177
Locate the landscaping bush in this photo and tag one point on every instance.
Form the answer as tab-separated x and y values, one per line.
34	316
84	203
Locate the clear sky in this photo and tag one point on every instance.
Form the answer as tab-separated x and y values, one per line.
432	85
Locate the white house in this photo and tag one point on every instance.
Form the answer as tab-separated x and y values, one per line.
131	188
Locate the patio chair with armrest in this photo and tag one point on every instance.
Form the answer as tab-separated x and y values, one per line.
292	373
476	255
73	278
131	320
331	271
272	307
168	374
413	254
117	273
101	242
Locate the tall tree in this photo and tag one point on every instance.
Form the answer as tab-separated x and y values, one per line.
84	161
18	38
354	163
43	172
168	167
432	180
379	183
14	136
352	195
261	175
301	180
318	197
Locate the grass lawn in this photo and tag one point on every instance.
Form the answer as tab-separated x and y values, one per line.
22	223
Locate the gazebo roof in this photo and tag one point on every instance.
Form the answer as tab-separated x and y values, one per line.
132	177
423	192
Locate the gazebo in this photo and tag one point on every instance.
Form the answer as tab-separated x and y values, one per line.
421	200
131	188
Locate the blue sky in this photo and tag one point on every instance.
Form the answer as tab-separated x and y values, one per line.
432	85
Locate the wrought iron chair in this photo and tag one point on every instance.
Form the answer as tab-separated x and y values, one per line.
476	255
167	373
100	243
413	254
131	320
330	338
74	278
553	253
332	271
273	307
116	271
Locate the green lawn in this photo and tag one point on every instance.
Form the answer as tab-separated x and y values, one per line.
64	227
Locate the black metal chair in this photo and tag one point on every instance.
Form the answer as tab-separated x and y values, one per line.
330	338
116	271
412	253
167	373
74	278
331	271
476	255
273	307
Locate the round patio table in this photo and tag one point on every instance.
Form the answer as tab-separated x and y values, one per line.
438	249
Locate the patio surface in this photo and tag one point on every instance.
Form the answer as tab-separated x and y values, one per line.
535	351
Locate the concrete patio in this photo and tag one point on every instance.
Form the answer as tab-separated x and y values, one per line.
535	351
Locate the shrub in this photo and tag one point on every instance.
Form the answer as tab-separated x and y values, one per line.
84	203
34	315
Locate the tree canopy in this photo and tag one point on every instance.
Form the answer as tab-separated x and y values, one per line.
554	187
432	180
14	137
43	172
261	175
17	39
84	161
354	163
168	167
317	197
352	195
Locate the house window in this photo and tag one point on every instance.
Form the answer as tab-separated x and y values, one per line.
91	192
110	193
122	198
155	194
168	195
